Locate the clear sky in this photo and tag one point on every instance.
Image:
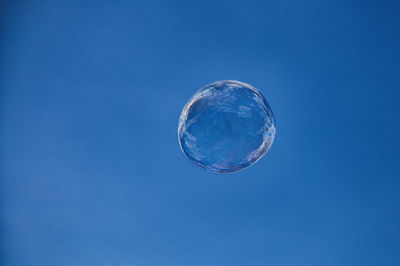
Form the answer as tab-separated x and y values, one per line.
91	169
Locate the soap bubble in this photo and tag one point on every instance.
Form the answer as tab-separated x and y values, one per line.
226	126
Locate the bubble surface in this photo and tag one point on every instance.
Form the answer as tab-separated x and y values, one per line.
226	126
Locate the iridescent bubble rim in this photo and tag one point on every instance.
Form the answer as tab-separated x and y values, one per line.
257	154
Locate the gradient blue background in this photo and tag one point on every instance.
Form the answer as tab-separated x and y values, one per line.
91	170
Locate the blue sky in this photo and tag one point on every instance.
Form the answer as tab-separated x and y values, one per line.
91	169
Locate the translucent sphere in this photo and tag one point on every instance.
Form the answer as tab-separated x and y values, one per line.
226	126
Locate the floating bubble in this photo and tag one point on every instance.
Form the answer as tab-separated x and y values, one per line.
226	126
